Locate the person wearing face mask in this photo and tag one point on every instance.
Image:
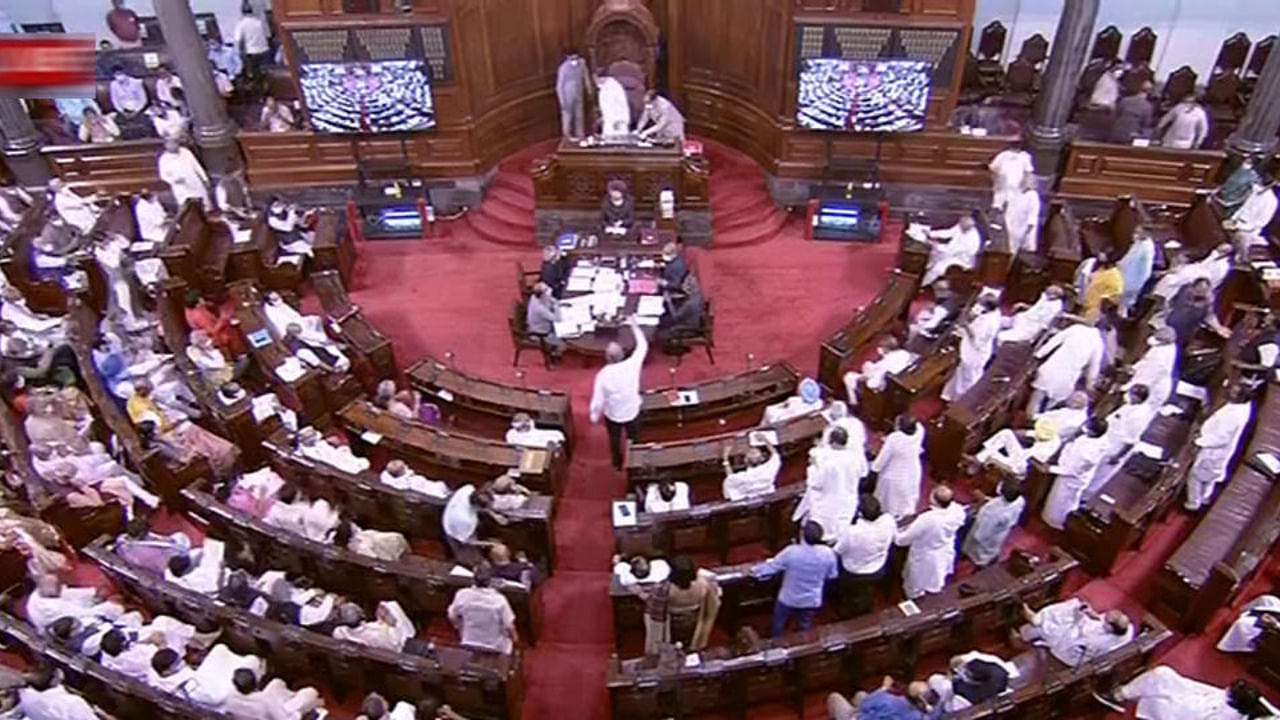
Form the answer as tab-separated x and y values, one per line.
618	208
956	246
977	341
128	94
184	174
666	496
1251	218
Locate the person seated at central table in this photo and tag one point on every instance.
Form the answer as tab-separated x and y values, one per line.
618	209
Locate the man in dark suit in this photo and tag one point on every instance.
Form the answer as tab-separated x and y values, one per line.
555	269
684	311
676	267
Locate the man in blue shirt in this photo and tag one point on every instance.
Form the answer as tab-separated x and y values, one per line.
805	567
884	704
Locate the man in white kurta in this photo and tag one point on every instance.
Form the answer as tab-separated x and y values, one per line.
759	477
977	341
390	629
1185	126
1074	632
1027	324
313	446
1163	694
1216	443
77	211
963	242
1076	465
1251	218
993	523
525	433
1240	637
1136	266
831	483
1069	418
281	315
55	703
1155	368
807	400
1012	451
1125	426
203	568
52	601
1215	266
184	174
1073	352
891	359
1022	218
482	615
931	538
398	474
1010	168
615	111
899	469
153	220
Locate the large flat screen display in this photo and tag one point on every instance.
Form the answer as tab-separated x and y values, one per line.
373	97
863	95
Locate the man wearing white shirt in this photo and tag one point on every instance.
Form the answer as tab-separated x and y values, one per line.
130	657
200	569
482	616
128	94
77	211
525	434
963	242
1075	351
1013	451
275	701
184	174
251	38
1027	324
1251	218
759	477
1215	444
666	496
891	359
52	703
1022	217
1125	426
1074	632
1069	418
863	547
461	522
168	122
398	475
977	342
51	602
931	538
616	393
166	83
1076	465
153	219
1162	694
1009	170
1185	126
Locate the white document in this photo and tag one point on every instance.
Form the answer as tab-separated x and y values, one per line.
290	370
647	320
142	246
1269	461
459	571
909	608
371	437
1195	392
1155	452
686	397
650	306
624	513
1170	410
444	395
762	438
567	329
578	284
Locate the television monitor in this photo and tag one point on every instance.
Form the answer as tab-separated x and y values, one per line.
372	97
863	95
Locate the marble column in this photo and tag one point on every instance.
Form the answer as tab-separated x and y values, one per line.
1047	134
1256	134
21	144
211	127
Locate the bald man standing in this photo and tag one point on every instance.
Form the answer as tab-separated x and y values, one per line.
931	538
616	395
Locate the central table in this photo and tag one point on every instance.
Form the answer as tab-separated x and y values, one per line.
621	274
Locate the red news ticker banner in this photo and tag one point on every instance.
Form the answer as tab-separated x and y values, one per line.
28	62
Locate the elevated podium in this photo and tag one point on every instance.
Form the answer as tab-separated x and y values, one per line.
569	186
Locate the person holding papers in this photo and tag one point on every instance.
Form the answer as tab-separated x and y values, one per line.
542	315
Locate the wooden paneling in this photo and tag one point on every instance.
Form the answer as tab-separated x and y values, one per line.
1104	171
117	167
936	158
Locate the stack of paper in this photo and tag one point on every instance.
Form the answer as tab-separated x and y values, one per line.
650	305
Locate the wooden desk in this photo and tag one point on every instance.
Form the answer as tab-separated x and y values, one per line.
333	247
1167	175
18	263
126	166
452	457
838	352
713	526
479	683
197	250
746	394
699	461
424	587
308	393
375	359
569	185
1232	539
259	260
115	692
374	503
986	407
234	420
474	402
838	655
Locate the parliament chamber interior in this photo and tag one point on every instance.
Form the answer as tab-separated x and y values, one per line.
640	359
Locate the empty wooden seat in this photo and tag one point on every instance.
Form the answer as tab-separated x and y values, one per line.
744	394
375	358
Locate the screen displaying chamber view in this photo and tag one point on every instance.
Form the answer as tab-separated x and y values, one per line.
863	95
387	96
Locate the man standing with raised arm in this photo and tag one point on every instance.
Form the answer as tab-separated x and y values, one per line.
616	395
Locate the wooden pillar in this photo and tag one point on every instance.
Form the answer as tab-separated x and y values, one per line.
1047	134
